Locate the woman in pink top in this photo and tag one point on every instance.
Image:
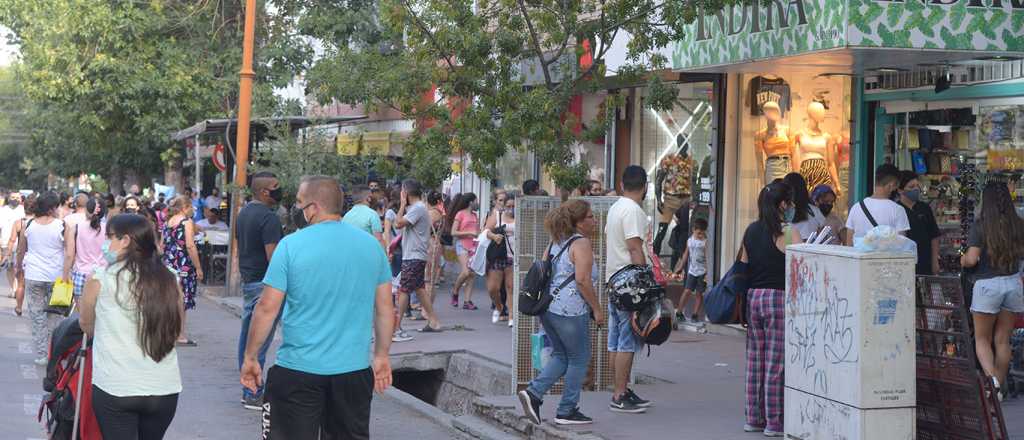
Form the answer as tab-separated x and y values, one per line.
465	226
83	245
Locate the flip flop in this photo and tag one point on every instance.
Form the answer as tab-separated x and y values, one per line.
429	329
186	343
417	317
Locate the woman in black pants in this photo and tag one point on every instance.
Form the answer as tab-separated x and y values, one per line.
133	310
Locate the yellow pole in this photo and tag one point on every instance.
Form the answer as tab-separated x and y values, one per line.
242	141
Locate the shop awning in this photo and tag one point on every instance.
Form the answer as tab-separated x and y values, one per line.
370	143
259	126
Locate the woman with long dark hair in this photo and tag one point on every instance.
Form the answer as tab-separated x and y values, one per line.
133	309
996	248
501	229
807	218
40	258
465	226
180	253
764	250
83	243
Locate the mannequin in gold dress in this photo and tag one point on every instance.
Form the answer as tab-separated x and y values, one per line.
815	151
774	145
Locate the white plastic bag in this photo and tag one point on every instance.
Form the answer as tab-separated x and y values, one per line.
884	238
479	262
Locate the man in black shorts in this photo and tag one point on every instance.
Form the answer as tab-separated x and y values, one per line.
414	220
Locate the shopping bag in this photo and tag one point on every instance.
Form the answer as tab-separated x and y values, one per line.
61	294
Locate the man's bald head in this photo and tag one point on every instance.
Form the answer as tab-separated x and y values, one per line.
324	191
80	200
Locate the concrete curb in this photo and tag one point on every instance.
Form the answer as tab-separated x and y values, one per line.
462	427
224	303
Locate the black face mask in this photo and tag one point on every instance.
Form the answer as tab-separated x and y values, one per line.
277	194
825	208
298	219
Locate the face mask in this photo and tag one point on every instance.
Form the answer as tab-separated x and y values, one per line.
914	195
108	255
474	206
277	194
825	208
299	218
789	214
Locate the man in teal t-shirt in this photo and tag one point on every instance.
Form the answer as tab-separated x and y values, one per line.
362	216
325	374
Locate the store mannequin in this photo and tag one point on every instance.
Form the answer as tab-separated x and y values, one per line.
673	187
815	151
774	144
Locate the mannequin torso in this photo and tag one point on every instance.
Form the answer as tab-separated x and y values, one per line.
813	144
774	141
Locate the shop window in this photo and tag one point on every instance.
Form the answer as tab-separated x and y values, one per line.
792	121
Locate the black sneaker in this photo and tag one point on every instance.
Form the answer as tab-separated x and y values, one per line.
632	397
624	405
254	403
530	405
574	418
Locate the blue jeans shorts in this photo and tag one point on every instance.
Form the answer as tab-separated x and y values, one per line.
992	295
621	338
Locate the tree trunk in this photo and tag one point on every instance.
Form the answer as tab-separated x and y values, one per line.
116	181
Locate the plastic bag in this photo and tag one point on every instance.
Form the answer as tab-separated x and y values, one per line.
884	238
61	294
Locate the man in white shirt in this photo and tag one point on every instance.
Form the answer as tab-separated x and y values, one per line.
881	210
626	232
213	200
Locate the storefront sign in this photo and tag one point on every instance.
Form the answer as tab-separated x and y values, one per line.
989	25
759	30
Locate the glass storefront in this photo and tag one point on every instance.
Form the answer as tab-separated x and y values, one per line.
791	121
678	147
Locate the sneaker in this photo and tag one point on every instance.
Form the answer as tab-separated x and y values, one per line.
624	405
254	403
41	361
401	336
530	405
770	433
455	301
495	315
751	428
998	389
468	305
632	397
511	323
575	418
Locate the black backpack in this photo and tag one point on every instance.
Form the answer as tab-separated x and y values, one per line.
535	295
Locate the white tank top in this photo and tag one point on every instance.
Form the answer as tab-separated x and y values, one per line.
44	258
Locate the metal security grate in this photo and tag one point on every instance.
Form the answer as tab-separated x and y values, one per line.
531	243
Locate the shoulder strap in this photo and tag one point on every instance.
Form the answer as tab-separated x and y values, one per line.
562	251
867	213
572	277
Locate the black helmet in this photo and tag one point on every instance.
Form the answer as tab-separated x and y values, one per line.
633	287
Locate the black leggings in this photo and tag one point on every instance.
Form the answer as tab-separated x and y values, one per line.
135	417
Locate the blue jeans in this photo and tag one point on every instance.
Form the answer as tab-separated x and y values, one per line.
251	293
570	357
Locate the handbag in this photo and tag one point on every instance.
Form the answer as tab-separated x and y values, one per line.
726	302
61	294
498	251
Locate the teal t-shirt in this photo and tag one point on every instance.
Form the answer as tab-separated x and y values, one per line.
364	218
329	273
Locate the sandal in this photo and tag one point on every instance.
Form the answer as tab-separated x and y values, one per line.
429	329
468	305
17	311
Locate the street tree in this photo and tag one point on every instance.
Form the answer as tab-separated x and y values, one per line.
108	81
485	76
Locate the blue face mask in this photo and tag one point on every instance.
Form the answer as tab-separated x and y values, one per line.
789	214
108	255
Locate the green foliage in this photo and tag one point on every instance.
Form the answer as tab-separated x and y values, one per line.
312	153
19	170
108	81
479	53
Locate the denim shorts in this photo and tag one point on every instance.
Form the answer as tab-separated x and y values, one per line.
992	295
621	338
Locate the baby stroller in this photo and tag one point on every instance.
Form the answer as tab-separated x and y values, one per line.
67	406
1015	380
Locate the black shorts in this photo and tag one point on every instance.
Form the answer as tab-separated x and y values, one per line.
696	283
301	405
413	275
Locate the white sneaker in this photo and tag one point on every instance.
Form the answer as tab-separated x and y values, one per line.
511	323
495	315
41	361
401	336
